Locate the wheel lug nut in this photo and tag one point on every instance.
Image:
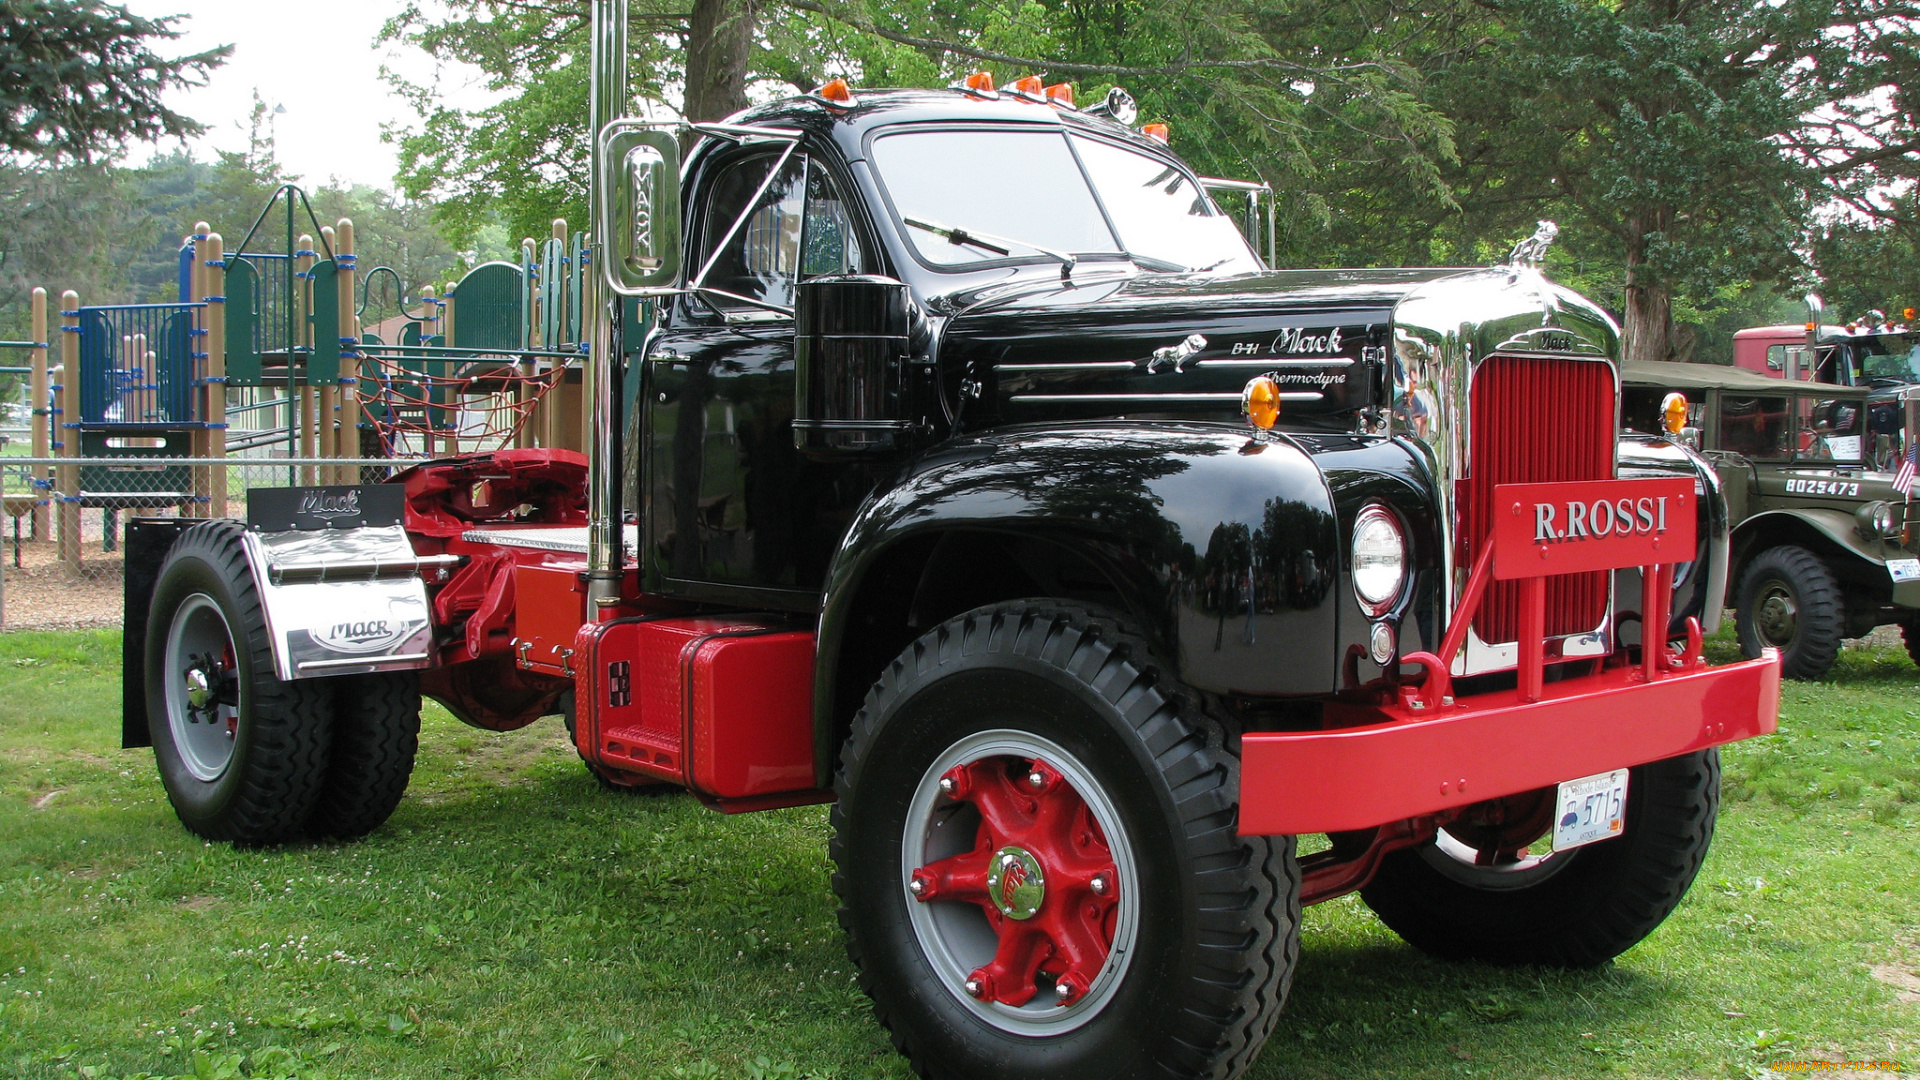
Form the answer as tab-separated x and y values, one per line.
946	785
1063	990
976	988
1098	885
1036	781
917	886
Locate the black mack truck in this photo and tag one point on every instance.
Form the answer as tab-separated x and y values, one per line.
972	472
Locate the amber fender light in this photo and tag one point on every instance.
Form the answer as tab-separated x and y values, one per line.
837	90
1260	401
1673	413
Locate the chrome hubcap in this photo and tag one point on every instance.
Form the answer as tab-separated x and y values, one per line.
1015	883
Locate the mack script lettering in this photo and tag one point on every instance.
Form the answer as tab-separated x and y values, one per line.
1295	340
1624	517
320	504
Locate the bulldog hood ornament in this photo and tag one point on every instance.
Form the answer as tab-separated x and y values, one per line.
1532	251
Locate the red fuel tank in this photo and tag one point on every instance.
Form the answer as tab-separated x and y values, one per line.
720	704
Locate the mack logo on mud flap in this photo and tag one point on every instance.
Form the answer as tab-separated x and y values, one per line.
359	635
327	505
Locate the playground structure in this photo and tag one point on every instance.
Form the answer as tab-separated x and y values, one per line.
264	357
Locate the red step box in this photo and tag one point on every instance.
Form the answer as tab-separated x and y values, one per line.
719	704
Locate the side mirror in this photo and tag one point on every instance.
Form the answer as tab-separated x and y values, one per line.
640	176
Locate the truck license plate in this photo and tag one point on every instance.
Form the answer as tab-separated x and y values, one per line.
1903	570
1591	808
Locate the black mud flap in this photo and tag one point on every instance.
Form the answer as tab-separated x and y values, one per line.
147	542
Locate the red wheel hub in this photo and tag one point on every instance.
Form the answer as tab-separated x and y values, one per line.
1042	872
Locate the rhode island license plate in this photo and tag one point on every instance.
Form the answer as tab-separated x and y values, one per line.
1903	570
1591	808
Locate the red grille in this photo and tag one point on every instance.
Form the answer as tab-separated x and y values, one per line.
1534	421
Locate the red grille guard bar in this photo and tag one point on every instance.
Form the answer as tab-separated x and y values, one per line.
1430	752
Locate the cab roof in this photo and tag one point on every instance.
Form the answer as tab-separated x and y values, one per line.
1673	376
870	109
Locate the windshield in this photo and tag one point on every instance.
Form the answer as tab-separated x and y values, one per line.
1892	356
1027	186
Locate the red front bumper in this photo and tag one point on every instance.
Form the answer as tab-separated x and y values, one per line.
1426	761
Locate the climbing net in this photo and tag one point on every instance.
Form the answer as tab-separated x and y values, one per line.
470	404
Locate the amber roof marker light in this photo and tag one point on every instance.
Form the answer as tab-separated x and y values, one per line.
1260	402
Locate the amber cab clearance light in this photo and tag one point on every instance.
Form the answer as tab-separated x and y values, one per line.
1030	86
1260	401
1061	94
1907	314
1673	413
837	90
1156	131
980	82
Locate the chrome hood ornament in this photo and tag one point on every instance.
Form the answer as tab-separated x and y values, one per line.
1532	251
1177	355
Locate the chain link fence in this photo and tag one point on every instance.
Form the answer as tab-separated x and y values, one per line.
63	564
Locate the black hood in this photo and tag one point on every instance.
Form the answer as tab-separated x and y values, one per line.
1050	350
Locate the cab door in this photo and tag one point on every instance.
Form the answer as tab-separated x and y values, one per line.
732	511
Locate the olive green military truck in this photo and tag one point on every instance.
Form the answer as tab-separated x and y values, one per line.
1823	545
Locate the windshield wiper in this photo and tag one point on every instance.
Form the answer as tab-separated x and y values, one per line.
986	241
1159	266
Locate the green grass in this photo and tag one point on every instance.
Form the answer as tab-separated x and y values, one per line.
513	920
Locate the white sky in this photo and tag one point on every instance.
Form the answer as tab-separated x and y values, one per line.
317	60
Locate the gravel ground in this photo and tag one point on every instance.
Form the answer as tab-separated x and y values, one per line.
44	595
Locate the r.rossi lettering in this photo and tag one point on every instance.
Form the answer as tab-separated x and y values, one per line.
1585	521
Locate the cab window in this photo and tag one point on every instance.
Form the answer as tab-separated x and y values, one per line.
829	244
1829	429
758	259
1755	427
798	228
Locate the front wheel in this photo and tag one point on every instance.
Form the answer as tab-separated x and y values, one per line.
1037	863
1476	891
242	755
1790	601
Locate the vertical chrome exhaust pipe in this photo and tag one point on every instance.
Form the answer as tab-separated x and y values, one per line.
600	311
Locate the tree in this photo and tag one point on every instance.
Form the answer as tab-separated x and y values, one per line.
1252	88
82	80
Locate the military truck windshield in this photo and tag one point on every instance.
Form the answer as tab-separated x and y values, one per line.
1039	187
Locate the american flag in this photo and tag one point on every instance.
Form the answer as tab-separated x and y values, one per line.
1903	478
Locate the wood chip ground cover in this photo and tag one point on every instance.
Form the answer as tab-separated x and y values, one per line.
514	920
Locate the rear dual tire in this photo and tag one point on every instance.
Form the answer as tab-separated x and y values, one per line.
243	755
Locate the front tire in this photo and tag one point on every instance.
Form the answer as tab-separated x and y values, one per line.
1573	909
1037	863
241	754
1790	601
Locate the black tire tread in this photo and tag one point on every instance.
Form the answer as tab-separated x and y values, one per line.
1910	635
1249	937
1670	838
376	733
291	724
1821	619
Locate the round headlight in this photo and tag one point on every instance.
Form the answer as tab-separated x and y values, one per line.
1379	558
1876	521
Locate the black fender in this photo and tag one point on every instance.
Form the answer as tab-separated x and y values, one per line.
1223	545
